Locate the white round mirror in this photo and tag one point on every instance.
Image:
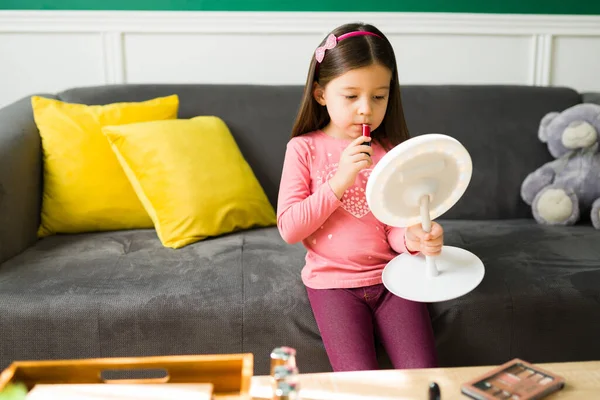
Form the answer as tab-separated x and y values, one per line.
416	182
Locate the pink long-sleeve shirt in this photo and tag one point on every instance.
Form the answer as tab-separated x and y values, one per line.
346	245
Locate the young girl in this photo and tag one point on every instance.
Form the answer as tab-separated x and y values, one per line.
352	80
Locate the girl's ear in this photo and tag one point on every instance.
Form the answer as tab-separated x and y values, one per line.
318	93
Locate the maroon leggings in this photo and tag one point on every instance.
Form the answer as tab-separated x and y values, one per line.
350	319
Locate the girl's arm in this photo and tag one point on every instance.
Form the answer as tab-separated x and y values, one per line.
397	240
300	213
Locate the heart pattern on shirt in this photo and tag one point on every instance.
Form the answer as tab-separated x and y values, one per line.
354	199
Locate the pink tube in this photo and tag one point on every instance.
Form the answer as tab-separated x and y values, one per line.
366	131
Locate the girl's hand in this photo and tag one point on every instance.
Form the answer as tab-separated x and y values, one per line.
354	158
429	244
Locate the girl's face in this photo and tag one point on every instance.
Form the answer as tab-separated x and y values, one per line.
360	96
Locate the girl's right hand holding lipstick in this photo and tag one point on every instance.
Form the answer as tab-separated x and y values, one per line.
354	158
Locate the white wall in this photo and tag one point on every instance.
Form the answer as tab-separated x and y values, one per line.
49	51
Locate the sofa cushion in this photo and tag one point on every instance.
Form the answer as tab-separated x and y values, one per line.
84	186
539	299
498	126
124	294
591	97
496	123
260	118
191	178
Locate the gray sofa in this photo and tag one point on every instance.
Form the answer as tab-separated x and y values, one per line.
123	294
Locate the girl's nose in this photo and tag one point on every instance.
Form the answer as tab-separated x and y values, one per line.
365	107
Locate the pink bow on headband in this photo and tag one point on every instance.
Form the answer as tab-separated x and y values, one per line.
332	41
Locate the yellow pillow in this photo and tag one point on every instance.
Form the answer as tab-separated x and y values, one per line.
85	188
191	177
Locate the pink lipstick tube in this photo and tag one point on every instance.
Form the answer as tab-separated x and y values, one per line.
366	131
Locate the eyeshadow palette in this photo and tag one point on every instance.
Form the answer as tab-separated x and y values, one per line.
514	380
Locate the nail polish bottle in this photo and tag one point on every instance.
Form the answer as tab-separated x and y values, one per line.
284	375
286	391
282	356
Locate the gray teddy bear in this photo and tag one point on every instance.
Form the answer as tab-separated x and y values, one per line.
562	190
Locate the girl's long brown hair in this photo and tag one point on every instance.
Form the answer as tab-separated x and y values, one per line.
351	53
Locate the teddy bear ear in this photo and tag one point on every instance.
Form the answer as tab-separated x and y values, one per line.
542	132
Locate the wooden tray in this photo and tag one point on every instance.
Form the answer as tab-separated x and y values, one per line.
230	374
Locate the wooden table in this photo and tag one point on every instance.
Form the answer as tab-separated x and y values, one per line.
582	382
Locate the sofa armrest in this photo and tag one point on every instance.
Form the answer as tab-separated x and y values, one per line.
591	97
20	178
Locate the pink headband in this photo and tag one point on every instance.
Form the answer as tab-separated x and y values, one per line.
332	41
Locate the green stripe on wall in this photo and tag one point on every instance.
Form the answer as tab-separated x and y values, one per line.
582	7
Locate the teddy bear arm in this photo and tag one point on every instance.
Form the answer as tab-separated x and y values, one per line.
596	213
536	181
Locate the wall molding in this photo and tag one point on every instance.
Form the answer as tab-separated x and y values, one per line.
114	57
543	59
293	22
113	26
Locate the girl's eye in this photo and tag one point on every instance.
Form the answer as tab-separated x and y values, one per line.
350	97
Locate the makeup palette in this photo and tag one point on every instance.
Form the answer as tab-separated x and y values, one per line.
514	380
